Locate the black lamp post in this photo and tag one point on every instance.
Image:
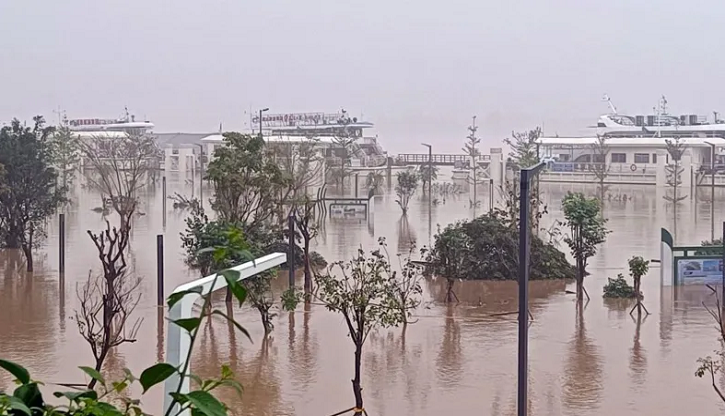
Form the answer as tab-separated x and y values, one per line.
527	175
260	120
430	187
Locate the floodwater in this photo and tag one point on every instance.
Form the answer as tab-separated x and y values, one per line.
454	360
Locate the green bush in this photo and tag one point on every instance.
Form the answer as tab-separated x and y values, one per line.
618	288
487	248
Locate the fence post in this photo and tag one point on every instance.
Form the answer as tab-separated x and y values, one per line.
160	270
61	244
356	184
291	255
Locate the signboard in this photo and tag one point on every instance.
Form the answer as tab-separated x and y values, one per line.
348	211
91	122
296	119
699	271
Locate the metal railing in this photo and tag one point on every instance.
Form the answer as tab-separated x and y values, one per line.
178	340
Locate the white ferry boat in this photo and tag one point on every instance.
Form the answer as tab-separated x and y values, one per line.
127	124
659	124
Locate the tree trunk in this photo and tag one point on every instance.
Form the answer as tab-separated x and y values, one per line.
449	290
28	251
356	389
579	280
308	272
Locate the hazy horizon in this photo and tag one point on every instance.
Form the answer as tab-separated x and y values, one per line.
419	71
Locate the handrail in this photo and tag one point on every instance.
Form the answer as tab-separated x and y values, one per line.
178	340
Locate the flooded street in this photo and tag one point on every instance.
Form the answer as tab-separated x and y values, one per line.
455	360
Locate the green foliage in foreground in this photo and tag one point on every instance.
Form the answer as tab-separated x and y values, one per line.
111	398
487	248
618	288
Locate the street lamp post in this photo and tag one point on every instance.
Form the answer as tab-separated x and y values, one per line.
712	191
524	235
430	187
201	171
260	120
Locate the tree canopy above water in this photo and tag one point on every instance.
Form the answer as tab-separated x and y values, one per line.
487	248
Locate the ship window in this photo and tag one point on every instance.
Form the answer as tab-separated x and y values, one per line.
619	158
654	157
641	158
598	158
564	157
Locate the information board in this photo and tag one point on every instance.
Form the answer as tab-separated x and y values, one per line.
699	271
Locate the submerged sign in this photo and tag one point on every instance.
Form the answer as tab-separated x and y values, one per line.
699	271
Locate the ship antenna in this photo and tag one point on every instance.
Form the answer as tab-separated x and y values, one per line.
609	103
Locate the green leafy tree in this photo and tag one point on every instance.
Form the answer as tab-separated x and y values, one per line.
374	181
524	153
427	174
246	181
674	170
599	166
306	224
346	142
65	151
638	267
524	148
362	290
31	192
587	231
113	398
405	188
470	148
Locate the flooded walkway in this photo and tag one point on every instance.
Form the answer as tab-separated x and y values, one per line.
454	360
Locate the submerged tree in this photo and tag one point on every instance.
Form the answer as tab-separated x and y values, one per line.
346	140
470	148
427	174
486	248
599	166
65	153
524	153
524	148
587	231
246	181
675	149
31	190
405	188
638	267
407	289
362	291
120	168
304	215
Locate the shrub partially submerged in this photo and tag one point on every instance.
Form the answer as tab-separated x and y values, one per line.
487	248
618	288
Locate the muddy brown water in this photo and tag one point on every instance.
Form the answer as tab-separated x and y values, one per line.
453	360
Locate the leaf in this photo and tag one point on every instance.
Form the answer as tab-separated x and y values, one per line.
94	374
17	404
174	298
232	278
105	409
16	370
230	319
155	375
206	403
188	324
30	395
77	395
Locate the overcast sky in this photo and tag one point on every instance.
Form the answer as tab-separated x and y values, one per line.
418	69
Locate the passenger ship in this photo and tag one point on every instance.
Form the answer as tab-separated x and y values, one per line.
660	124
127	124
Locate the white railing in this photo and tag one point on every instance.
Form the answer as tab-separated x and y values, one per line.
178	340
